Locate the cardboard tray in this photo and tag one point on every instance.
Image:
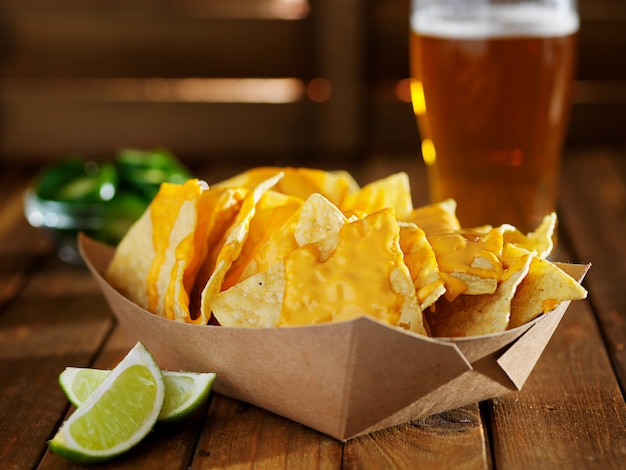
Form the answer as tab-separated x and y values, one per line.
343	379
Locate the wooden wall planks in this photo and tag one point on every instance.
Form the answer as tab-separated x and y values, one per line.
359	48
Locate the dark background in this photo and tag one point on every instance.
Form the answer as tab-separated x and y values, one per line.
92	76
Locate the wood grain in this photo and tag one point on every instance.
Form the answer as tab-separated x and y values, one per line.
58	319
454	439
21	246
571	412
593	210
237	434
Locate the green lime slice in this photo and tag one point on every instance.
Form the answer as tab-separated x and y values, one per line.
118	413
78	383
184	391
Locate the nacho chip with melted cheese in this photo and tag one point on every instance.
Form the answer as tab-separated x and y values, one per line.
165	247
276	247
542	290
435	218
221	209
469	261
539	242
421	262
298	182
316	219
472	315
364	275
272	211
391	192
233	242
325	282
255	302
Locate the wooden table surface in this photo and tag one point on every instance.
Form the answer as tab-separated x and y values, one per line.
570	413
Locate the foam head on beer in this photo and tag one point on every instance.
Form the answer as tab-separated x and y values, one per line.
480	21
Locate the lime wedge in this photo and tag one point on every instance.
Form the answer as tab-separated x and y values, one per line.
184	391
118	414
78	383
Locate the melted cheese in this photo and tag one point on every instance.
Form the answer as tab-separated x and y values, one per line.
466	254
164	211
353	281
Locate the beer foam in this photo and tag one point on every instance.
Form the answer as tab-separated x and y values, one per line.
496	21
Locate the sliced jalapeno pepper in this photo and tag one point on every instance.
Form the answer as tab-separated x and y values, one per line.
52	179
78	182
144	171
102	199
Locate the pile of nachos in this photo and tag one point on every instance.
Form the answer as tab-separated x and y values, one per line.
281	247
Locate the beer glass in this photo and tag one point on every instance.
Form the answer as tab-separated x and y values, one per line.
491	83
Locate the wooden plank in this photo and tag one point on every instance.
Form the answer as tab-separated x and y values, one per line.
41	330
570	413
49	130
454	439
341	54
59	319
593	211
237	433
20	245
96	44
389	40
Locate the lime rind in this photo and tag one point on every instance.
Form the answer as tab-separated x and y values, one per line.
86	437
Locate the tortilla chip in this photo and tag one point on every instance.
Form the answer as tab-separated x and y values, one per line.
317	283
540	242
272	211
317	219
221	208
391	192
298	182
436	218
133	251
231	248
421	262
255	302
470	315
543	289
161	247
469	261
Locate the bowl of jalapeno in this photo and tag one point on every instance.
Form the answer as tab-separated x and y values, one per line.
101	199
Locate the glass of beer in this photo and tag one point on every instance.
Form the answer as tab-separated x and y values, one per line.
491	82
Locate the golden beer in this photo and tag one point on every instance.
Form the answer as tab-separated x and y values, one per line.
492	100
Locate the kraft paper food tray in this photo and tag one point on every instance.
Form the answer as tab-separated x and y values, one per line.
343	379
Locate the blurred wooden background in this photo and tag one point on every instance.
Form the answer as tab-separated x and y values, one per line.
263	81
